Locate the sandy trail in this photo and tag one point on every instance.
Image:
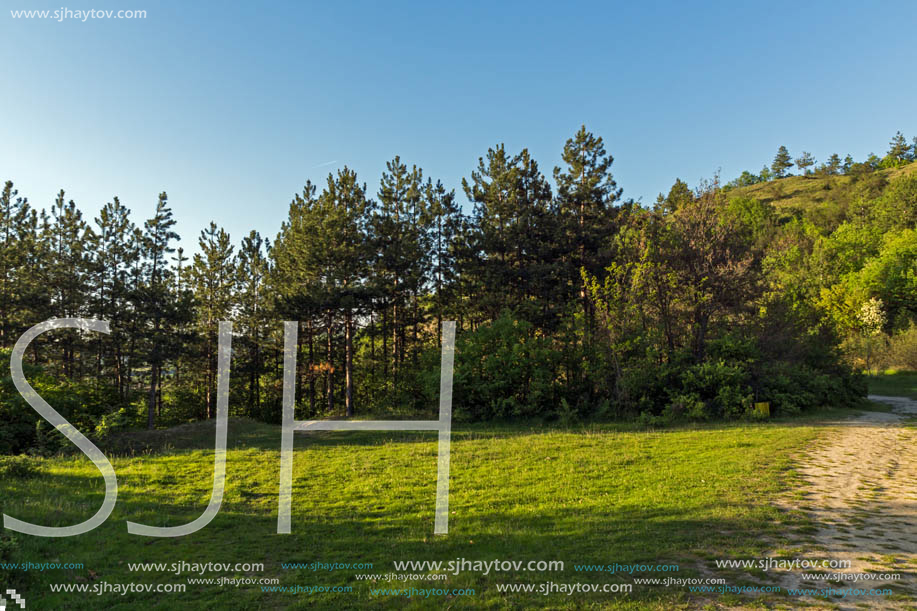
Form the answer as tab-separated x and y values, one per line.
860	489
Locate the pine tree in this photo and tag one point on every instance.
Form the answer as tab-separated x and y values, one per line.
115	251
497	214
848	163
898	148
833	166
586	198
804	162
400	265
445	220
296	282
213	276
782	162
679	195
158	306
14	217
253	312
69	236
344	224
320	266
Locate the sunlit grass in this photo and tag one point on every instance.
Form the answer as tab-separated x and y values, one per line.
808	191
597	494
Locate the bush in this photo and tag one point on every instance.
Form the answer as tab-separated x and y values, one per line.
902	350
792	388
22	429
121	420
719	389
19	467
504	370
646	387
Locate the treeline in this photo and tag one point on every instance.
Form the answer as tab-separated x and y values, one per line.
899	153
570	302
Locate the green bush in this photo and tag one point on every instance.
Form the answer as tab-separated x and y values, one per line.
121	420
902	350
504	370
720	387
646	387
21	428
20	467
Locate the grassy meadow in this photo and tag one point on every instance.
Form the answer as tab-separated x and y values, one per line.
594	494
894	383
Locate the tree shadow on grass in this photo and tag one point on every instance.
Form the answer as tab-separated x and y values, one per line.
249	434
625	535
330	526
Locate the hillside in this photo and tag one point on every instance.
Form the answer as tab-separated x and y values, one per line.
806	192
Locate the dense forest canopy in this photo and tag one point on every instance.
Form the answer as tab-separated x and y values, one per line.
571	301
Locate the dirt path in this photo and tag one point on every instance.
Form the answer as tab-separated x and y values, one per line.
860	491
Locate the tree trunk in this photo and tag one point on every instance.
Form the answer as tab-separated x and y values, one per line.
302	368
700	337
210	374
151	398
329	378
372	348
385	343
348	364
395	348
311	367
159	394
119	371
414	331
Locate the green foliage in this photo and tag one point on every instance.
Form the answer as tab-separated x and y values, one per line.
503	370
11	554
792	388
782	162
804	162
617	309
20	467
899	150
123	419
902	349
747	179
717	389
895	207
22	429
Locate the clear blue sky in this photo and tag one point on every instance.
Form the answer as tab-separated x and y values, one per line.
230	107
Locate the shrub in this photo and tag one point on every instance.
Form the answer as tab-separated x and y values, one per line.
719	386
645	387
123	419
22	429
902	350
502	370
20	467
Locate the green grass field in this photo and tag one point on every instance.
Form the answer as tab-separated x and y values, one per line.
894	383
598	494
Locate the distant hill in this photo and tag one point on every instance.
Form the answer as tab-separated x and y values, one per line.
804	193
